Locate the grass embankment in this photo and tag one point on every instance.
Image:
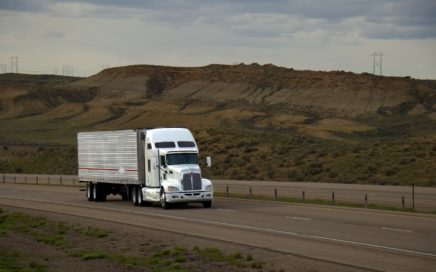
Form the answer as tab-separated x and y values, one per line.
257	155
90	244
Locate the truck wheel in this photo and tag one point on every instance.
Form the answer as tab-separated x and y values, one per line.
124	196
95	193
135	196
89	191
140	197
207	204
163	200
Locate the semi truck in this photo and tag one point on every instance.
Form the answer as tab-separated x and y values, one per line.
144	166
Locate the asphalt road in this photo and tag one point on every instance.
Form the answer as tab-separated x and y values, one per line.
354	238
425	197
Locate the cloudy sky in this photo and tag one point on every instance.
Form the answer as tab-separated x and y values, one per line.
303	34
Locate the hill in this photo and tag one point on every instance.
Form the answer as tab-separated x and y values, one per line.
257	121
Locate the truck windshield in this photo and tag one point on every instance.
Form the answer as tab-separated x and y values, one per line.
182	158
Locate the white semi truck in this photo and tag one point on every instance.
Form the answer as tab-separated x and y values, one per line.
143	165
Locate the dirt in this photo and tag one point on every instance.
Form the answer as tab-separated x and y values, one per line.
135	241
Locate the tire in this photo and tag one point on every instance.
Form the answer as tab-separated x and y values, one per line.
89	189
163	200
134	195
140	197
124	196
95	192
207	204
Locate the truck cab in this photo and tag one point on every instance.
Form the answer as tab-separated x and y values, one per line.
172	172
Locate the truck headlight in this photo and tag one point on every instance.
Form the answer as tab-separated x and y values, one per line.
172	189
208	188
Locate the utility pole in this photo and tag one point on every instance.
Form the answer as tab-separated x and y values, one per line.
377	62
14	64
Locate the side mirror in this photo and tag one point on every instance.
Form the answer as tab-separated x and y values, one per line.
208	161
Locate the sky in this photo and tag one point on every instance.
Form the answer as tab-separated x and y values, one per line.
82	37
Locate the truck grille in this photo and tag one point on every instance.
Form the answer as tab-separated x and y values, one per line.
191	182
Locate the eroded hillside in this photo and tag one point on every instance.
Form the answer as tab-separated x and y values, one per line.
258	120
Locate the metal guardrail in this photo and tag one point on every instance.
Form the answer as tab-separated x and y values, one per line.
276	194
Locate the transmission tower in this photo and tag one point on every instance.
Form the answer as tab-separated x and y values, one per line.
67	70
14	64
377	62
2	68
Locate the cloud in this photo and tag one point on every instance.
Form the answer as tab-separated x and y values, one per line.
300	33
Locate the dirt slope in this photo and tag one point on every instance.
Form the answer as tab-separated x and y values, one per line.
303	125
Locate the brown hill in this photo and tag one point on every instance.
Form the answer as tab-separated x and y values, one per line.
326	93
254	111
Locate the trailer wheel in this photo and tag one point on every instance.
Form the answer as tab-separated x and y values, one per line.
89	191
95	193
163	200
207	204
134	195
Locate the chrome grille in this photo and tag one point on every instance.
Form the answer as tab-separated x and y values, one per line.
191	182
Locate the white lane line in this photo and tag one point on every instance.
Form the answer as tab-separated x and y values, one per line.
394	229
314	237
299	218
226	210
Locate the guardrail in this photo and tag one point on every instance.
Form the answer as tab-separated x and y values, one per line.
268	193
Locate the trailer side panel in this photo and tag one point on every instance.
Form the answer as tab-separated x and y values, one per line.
108	156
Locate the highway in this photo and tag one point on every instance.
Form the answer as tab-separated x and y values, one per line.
425	197
357	239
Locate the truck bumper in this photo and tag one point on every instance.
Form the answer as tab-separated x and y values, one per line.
186	197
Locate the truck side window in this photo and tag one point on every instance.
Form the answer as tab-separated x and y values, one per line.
148	146
149	165
162	161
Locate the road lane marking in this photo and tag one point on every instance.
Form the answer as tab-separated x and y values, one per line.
225	210
394	229
299	218
267	230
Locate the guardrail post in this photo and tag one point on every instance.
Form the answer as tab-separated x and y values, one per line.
15	179
74	181
403	204
25	179
36	179
303	195
4	178
227	191
333	198
60	180
48	180
413	196
275	193
250	194
366	200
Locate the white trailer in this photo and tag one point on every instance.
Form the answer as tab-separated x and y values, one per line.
144	166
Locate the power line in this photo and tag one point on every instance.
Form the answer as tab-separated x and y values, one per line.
377	62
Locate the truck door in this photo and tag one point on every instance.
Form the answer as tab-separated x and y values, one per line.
152	172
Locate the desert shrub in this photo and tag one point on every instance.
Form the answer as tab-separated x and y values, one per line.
391	171
155	85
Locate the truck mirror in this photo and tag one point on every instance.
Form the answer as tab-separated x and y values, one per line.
208	161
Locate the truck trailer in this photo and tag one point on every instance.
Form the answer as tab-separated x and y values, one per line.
143	165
